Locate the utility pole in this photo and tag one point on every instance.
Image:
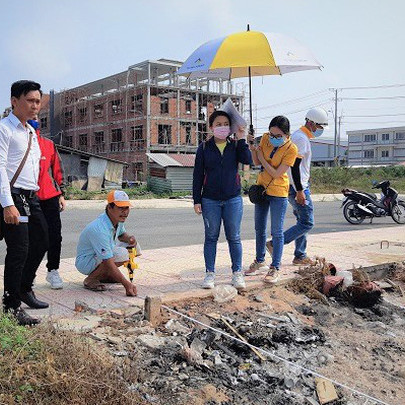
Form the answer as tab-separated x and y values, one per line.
338	146
336	127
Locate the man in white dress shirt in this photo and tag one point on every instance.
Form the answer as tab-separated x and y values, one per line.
23	223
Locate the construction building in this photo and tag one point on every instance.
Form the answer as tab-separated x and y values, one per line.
145	109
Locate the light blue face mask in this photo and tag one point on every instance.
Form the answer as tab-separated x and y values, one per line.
277	142
318	132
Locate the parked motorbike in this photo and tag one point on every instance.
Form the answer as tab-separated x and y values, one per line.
359	205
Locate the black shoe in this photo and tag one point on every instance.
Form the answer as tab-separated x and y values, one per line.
22	317
31	300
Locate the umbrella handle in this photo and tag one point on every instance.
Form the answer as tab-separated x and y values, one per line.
251	132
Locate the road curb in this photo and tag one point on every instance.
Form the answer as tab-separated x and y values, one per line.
157	203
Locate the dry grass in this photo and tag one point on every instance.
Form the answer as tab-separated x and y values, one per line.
311	281
399	273
360	276
48	366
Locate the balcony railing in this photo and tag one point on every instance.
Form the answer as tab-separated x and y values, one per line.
117	146
98	148
137	145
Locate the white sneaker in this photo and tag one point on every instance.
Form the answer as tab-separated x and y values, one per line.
53	278
209	279
238	281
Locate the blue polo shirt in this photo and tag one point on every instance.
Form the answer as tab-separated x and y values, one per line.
96	243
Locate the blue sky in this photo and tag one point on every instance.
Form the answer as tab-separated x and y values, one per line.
63	44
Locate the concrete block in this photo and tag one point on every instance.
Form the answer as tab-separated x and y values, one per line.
153	310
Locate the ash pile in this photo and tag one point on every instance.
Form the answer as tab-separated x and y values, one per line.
203	358
186	358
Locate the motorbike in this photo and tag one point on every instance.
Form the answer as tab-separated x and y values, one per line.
359	205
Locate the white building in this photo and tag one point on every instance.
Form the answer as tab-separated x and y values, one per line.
323	152
379	146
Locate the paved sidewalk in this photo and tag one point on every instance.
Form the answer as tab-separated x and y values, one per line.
176	273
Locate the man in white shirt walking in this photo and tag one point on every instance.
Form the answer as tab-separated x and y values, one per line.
299	196
23	224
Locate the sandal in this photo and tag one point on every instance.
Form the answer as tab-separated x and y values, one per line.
94	285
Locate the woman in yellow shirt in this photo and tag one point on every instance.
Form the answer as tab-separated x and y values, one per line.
276	154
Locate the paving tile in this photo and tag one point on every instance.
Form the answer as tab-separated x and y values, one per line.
178	271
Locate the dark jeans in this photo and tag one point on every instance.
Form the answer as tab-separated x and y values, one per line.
277	207
51	211
26	246
230	213
305	222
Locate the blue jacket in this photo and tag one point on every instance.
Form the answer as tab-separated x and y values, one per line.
216	175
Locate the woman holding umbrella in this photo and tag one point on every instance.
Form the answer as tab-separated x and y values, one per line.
276	154
217	193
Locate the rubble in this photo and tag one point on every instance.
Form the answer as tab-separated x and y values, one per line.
80	324
180	362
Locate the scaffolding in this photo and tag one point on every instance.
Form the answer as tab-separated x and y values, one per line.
147	108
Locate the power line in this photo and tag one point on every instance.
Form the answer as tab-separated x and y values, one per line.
388	86
379	115
372	122
293	100
357	109
372	98
318	104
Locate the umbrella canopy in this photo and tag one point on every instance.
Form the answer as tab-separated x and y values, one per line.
249	53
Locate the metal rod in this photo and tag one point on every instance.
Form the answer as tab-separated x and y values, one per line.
336	118
251	130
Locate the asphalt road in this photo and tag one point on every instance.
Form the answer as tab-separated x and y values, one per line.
156	228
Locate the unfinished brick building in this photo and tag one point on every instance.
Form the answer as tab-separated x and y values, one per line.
147	108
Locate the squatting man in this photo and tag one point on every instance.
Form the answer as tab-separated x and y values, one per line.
102	246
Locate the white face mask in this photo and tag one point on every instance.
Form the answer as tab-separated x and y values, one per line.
222	132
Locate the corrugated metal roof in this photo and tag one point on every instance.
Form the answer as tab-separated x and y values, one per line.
186	160
172	159
87	154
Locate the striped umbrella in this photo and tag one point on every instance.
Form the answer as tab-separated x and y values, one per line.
247	54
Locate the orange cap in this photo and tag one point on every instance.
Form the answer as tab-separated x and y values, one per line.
119	198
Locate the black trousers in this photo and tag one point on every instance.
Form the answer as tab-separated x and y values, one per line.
51	211
26	247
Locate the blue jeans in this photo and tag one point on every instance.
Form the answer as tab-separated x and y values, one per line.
305	222
278	208
230	212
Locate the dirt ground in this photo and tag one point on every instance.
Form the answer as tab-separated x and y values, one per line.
180	362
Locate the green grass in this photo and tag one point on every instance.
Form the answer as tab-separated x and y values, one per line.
323	181
333	180
134	193
15	338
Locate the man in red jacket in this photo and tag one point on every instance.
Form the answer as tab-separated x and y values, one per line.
51	188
